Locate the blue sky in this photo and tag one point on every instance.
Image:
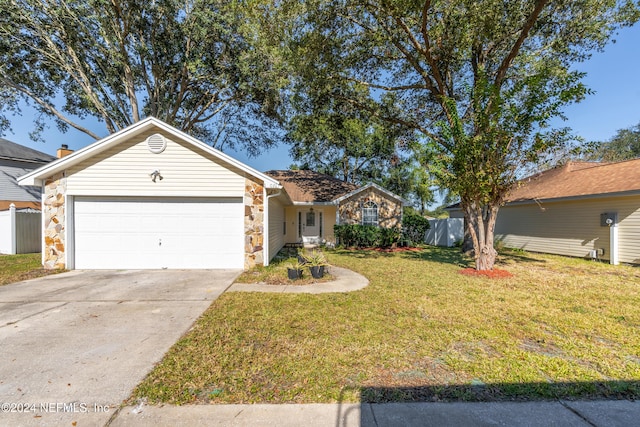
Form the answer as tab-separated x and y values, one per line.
613	75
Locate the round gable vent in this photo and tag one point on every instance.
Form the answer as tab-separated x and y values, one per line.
156	143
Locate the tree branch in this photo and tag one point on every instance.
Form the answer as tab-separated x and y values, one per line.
515	49
48	107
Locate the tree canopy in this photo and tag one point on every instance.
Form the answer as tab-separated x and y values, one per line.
197	65
624	145
478	81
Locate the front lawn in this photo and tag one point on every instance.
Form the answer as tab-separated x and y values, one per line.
559	327
15	268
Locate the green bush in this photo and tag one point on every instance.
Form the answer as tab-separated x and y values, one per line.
365	236
388	236
414	227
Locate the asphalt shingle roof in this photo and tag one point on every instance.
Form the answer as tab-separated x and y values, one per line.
12	151
309	186
576	179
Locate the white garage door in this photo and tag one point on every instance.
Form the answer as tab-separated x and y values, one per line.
141	233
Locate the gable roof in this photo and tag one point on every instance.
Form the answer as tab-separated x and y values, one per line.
305	186
12	151
579	179
375	186
36	177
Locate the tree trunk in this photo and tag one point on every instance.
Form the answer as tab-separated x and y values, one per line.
481	222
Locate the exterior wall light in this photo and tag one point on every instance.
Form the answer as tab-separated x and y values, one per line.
155	175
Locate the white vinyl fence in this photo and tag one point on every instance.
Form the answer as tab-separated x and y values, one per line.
20	231
445	232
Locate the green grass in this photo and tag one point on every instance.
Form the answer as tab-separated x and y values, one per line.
276	272
15	268
559	327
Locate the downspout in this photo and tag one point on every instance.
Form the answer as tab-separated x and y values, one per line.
265	227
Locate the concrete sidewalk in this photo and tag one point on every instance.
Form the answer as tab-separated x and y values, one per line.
345	281
554	413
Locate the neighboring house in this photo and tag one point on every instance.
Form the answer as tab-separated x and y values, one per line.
321	201
151	196
20	223
17	160
564	211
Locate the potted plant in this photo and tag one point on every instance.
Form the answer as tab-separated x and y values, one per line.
302	258
294	270
317	263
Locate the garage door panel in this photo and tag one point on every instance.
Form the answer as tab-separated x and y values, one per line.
158	233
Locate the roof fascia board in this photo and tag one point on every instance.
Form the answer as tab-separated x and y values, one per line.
35	177
575	198
333	203
18	159
366	187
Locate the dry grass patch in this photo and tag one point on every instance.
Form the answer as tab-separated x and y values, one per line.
276	272
15	268
420	331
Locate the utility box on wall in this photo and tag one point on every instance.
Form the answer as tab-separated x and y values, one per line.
608	219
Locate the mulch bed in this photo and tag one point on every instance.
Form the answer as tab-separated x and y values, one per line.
496	273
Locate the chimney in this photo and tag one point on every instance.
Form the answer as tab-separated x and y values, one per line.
63	151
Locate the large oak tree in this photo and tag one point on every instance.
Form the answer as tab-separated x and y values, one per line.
196	64
478	80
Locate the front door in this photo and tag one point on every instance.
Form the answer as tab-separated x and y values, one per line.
309	225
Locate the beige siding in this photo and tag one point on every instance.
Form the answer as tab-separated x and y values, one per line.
291	217
276	220
328	221
571	228
124	170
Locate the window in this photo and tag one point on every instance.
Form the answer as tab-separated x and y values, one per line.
321	223
370	213
284	227
311	219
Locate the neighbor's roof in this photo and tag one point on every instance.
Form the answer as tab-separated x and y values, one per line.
579	179
20	206
305	186
12	151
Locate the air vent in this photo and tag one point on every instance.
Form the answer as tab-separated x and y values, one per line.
156	143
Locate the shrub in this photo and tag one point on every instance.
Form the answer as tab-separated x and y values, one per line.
414	227
388	236
363	236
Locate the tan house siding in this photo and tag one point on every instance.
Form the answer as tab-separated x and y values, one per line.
570	228
628	209
276	223
329	218
54	222
389	210
291	217
328	221
124	170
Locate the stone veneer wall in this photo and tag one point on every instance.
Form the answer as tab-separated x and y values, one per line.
54	215
389	210
253	224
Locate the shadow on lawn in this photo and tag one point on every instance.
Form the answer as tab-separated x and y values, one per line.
587	390
427	253
440	254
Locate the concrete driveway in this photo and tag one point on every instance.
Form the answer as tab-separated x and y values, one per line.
74	345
